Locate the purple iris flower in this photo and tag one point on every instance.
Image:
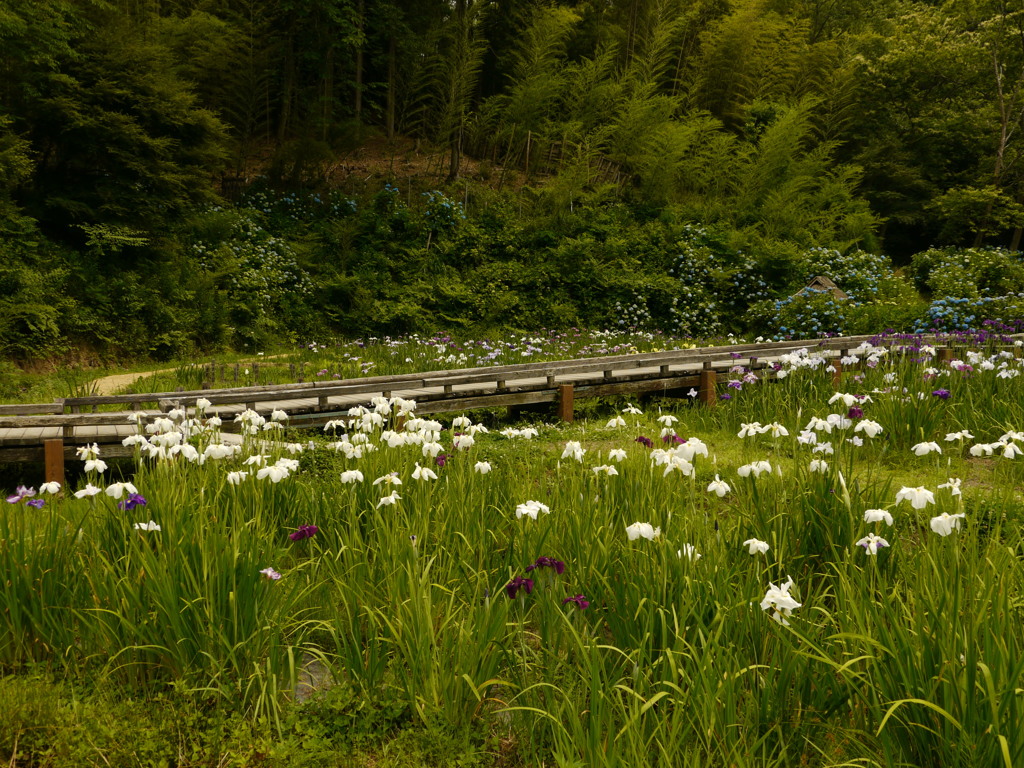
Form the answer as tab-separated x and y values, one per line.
519	583
547	562
440	459
725	397
646	442
304	532
855	412
37	503
581	602
673	439
941	393
134	500
734	384
21	493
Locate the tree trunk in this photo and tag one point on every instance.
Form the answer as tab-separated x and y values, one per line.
631	30
327	115
287	90
358	106
456	155
392	85
455	140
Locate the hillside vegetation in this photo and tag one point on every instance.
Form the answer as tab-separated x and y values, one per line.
191	175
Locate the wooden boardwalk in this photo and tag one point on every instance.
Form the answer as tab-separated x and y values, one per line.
30	432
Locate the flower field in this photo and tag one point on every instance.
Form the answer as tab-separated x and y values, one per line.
798	576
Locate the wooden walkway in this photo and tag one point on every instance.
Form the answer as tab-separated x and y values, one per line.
30	432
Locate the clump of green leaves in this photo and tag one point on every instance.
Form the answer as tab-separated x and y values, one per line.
968	272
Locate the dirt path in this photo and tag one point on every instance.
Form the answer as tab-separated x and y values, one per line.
111	385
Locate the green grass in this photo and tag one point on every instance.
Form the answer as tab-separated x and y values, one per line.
911	657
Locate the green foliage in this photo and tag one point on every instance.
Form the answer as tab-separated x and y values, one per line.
258	277
968	272
392	637
36	310
808	314
537	81
896	305
979	212
126	141
862	276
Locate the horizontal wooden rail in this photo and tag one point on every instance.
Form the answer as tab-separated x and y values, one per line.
29	409
66	419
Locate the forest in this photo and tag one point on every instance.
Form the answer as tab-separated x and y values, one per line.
191	175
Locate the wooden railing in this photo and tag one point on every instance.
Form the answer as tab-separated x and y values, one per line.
310	403
503	376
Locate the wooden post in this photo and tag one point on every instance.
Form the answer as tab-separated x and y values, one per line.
945	354
837	373
236	374
706	389
565	397
321	403
53	454
551	380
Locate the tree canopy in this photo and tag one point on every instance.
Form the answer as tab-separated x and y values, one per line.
781	125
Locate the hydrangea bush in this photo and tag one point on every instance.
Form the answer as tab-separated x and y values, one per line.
260	276
968	272
859	274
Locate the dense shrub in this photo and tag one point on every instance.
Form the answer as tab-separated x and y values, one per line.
808	314
968	272
861	275
296	266
961	314
36	311
267	291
